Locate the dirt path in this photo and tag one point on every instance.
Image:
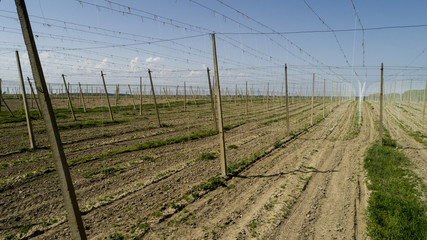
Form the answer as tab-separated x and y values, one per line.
310	188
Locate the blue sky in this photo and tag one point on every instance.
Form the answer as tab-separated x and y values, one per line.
81	38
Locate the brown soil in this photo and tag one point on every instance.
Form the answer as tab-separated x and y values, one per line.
312	186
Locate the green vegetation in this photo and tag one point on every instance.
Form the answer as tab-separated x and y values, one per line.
149	144
117	236
232	146
235	168
148	158
419	137
109	171
4	165
90	124
354	124
397	209
206	156
25	228
209	185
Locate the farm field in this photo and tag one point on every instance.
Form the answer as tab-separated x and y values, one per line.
116	165
134	179
129	120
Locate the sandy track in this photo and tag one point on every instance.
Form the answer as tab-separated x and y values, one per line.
310	188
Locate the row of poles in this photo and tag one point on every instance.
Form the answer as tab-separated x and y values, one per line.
70	202
381	98
339	94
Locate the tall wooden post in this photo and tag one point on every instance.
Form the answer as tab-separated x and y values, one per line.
81	96
34	96
131	96
140	96
235	95
223	162
410	93
0	94
401	87
424	102
268	91
324	88
247	106
117	95
185	98
10	111
381	106
287	101
166	96
70	202
281	96
26	109
212	100
312	102
106	95
293	95
69	99
154	98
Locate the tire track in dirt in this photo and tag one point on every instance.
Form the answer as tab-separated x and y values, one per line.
332	203
255	193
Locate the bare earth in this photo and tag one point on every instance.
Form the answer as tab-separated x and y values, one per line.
311	187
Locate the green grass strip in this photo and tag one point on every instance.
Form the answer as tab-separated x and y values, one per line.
149	144
354	123
396	209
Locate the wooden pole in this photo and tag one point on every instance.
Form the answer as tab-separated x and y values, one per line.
247	103
212	99
312	102
106	96
324	88
166	96
194	95
73	213
68	96
223	161
0	93
424	102
287	101
81	96
131	96
401	87
268	91
281	96
140	96
10	111
235	95
117	95
410	93
34	96
185	98
381	106
26	109
154	98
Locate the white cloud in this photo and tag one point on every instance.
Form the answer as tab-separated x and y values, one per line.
152	60
102	64
133	64
194	73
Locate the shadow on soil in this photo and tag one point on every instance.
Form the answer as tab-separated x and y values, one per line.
285	173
